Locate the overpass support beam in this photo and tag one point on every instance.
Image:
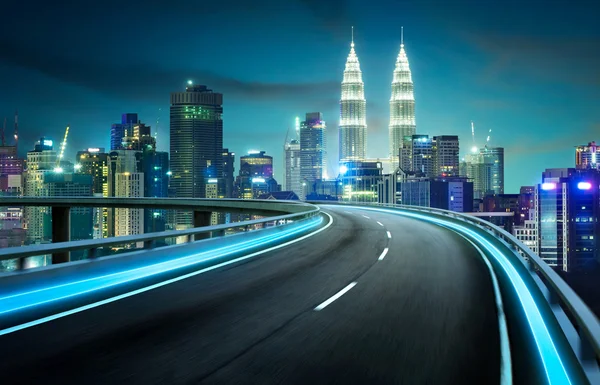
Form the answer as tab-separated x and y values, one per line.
201	219
61	232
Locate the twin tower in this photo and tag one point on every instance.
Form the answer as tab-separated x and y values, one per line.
353	109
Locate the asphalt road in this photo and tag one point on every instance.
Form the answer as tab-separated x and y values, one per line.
424	314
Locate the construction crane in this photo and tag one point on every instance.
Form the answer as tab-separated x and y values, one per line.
487	141
16	129
474	148
62	149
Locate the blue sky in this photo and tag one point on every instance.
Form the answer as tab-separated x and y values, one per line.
530	72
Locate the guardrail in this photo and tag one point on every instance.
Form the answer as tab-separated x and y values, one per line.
580	326
303	211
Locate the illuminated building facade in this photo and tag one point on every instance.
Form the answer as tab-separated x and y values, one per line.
129	221
567	209
256	176
486	168
118	131
360	181
402	106
155	168
353	112
416	155
293	178
196	134
313	144
587	156
40	161
94	162
445	151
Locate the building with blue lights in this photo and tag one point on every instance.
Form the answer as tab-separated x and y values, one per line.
313	143
118	131
567	208
196	143
155	168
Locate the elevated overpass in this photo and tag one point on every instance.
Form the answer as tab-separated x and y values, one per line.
329	293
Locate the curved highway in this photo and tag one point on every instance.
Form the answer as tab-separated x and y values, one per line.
375	298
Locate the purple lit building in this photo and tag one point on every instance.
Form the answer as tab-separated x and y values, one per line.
567	210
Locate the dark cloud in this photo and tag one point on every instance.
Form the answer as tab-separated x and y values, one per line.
560	61
142	82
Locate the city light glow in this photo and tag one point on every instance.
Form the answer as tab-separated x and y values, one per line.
258	180
584	185
548	186
77	166
474	149
58	170
343	169
213	180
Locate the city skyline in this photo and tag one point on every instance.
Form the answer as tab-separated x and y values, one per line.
486	72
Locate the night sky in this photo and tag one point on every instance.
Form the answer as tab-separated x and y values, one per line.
530	72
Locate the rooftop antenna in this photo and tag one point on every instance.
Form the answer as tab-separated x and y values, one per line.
473	132
3	129
298	127
402	36
488	137
157	121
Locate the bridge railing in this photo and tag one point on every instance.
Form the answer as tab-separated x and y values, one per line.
149	240
579	324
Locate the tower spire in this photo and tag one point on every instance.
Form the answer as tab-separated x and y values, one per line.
352	44
402	36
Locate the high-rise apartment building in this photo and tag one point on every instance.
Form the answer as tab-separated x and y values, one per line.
40	161
196	134
353	112
293	177
123	174
94	162
445	155
313	144
402	105
129	221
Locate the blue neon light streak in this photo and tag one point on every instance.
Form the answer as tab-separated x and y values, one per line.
28	299
556	372
157	285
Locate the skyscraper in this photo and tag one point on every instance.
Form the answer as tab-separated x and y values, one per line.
486	168
120	130
567	211
155	168
125	180
94	162
228	172
353	112
40	161
402	105
196	134
313	143
417	155
445	155
293	178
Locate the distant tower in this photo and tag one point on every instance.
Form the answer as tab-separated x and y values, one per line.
353	111
313	148
402	104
